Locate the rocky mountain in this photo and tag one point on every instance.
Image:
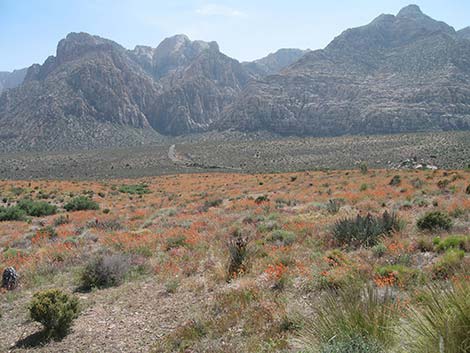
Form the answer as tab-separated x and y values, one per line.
399	73
464	33
274	62
96	93
12	79
90	94
198	83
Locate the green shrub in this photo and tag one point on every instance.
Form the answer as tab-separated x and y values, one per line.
261	199
379	250
282	237
396	180
461	242
175	242
403	275
333	206
365	230
348	313
449	263
37	208
54	309
363	167
61	220
12	214
441	319
105	271
81	203
139	189
434	220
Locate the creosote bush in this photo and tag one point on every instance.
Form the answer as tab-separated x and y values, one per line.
54	309
365	230
81	203
105	271
11	214
435	220
37	208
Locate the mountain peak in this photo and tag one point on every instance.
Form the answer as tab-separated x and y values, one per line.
410	11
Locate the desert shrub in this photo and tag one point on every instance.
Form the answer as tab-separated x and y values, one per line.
105	271
424	244
282	237
440	319
211	203
106	225
417	183
365	230
402	276
434	220
363	167
395	181
37	208
238	254
54	309
175	242
461	242
467	190
333	206
48	232
81	203
61	220
342	315
379	250
442	184
12	214
138	189
261	199
448	264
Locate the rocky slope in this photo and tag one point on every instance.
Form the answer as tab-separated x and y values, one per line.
274	62
464	33
399	73
198	83
89	94
12	79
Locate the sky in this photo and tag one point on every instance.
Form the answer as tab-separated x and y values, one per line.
244	29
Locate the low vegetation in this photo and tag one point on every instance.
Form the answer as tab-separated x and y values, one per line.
55	310
302	262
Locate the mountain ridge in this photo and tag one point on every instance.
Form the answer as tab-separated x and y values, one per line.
399	73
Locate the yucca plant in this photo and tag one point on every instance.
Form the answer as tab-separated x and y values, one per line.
440	323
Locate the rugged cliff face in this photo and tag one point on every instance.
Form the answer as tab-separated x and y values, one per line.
198	83
399	73
95	92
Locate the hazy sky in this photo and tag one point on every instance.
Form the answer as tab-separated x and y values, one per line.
244	29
